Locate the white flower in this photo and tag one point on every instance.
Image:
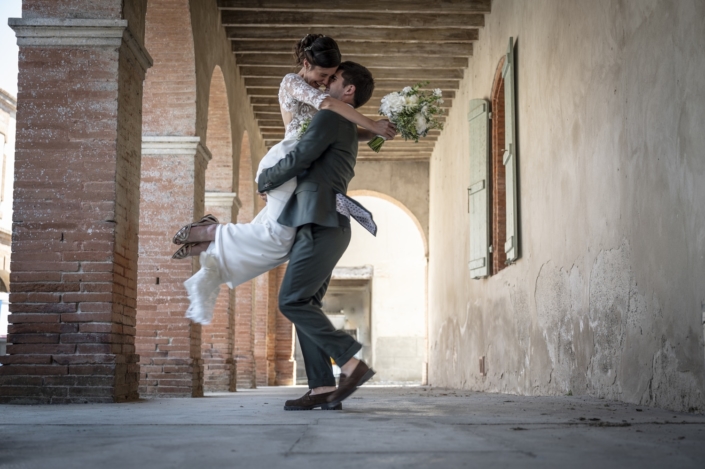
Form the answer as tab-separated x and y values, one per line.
421	124
392	104
411	100
406	90
437	92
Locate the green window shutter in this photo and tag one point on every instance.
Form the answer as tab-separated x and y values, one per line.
478	192
511	247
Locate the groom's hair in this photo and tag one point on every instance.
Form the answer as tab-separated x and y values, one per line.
357	75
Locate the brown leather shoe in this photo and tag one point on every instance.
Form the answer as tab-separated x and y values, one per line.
308	402
349	384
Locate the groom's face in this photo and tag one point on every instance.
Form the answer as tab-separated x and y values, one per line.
336	88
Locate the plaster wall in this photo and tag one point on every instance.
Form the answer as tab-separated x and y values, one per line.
608	296
398	316
404	181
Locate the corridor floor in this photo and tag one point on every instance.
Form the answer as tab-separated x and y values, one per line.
380	427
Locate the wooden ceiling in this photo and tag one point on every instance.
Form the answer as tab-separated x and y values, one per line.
402	42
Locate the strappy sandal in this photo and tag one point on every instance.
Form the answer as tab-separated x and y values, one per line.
182	235
184	251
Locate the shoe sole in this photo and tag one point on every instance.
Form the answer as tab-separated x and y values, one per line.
366	377
322	406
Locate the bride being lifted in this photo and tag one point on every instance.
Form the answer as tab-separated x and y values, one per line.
234	253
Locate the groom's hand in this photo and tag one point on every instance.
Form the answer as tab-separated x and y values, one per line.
263	196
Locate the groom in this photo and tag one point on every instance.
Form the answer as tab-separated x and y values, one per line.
323	161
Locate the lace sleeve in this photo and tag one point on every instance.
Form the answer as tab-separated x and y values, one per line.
297	88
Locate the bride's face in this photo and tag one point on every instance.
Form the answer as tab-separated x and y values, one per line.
318	76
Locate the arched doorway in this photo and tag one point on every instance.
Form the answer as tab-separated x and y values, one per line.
378	291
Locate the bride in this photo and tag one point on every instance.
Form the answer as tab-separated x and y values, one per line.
234	253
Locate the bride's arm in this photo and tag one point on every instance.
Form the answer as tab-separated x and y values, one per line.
364	134
381	127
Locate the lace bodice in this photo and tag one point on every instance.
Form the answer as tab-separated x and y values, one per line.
300	99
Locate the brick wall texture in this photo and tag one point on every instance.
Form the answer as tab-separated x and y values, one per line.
97	311
170	87
244	294
74	227
219	177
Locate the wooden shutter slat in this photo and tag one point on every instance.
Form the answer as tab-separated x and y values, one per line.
478	197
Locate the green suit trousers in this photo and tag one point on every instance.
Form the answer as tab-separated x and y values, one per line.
316	251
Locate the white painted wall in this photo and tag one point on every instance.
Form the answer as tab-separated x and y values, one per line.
398	289
607	299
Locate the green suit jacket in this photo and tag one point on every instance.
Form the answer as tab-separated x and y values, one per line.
324	162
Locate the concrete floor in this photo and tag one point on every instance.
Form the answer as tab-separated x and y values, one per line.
385	427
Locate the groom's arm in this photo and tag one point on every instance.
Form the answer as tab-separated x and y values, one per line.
321	133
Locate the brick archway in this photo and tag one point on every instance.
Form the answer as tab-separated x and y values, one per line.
171	193
217	338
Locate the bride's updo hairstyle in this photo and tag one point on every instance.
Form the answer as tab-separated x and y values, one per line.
318	50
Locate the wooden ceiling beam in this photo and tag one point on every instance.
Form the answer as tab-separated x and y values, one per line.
411	75
362	34
371	107
270	114
394	61
370	6
351	19
378	94
448	49
387	84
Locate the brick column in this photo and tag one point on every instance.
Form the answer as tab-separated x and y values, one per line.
283	359
172	194
218	337
261	321
76	205
244	335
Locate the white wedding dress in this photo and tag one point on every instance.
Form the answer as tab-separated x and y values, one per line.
243	251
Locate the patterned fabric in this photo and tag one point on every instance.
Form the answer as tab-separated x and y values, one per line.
351	208
300	99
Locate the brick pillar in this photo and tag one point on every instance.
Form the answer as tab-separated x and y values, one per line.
261	320
172	194
244	336
76	205
218	337
283	359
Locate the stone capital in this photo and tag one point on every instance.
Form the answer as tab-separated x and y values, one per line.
223	199
364	272
60	32
175	145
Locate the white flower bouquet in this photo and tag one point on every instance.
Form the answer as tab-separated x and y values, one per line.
413	111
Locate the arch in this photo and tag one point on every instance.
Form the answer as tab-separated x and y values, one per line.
396	329
399	204
170	85
219	175
498	190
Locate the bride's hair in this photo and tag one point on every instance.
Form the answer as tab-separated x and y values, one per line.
319	50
